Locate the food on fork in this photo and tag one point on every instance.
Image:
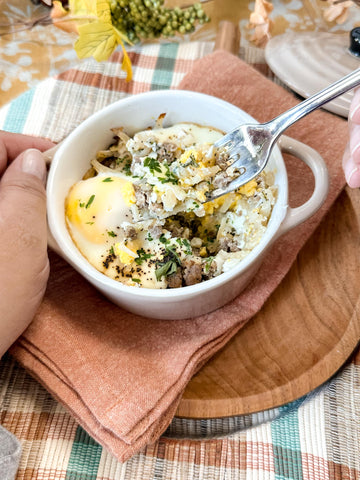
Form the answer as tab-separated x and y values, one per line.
140	214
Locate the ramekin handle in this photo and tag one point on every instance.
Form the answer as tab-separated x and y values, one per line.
313	159
50	153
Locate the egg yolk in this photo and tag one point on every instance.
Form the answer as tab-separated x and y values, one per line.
97	205
190	155
126	253
248	189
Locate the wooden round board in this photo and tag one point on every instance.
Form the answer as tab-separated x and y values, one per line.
304	333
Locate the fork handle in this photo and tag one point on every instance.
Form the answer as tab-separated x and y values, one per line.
283	121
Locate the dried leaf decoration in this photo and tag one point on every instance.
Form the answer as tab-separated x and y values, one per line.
126	63
337	12
96	39
260	21
91	20
103	11
58	13
84	7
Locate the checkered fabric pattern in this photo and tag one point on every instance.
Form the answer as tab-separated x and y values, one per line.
315	437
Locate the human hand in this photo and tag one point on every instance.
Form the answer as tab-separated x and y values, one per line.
24	265
351	158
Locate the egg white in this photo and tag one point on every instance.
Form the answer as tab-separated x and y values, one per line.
95	208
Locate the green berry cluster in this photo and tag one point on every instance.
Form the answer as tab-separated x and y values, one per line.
142	19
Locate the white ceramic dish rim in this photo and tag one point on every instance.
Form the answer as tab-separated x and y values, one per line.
67	249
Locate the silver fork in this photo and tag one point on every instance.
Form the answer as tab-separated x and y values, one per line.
249	146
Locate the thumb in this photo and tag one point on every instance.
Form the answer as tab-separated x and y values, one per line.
23	235
23	186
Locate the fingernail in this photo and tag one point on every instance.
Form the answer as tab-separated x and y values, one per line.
351	178
353	151
354	112
33	162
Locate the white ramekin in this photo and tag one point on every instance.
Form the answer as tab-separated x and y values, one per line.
135	113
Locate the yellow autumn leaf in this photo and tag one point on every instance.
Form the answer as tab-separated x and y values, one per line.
103	11
126	63
83	8
98	9
96	39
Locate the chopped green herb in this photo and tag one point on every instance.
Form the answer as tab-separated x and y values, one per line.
191	161
142	256
112	251
90	201
136	280
171	251
108	179
122	159
149	237
163	239
196	204
169	177
127	168
89	223
184	242
166	269
111	234
81	204
208	263
153	165
187	246
171	260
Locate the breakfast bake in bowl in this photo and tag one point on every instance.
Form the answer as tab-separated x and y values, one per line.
127	204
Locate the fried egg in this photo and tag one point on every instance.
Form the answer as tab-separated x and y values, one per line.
95	208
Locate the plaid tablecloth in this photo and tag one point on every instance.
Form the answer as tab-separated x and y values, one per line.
315	437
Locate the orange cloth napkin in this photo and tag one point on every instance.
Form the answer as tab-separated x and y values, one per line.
121	375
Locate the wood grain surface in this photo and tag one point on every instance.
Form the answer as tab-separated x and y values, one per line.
304	333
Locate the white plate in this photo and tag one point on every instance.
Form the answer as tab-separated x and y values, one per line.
310	61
